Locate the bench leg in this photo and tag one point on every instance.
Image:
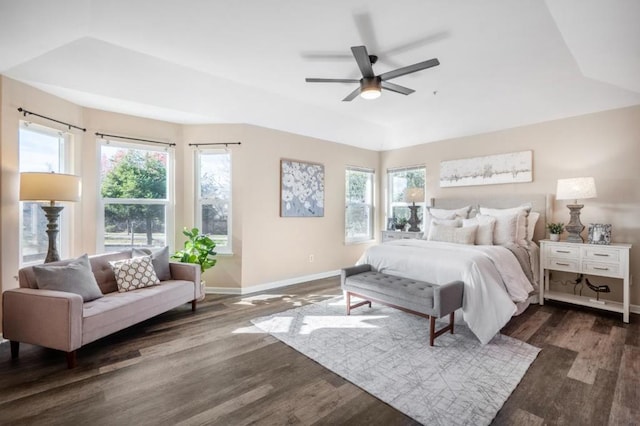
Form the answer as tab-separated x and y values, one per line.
193	305
432	327
350	306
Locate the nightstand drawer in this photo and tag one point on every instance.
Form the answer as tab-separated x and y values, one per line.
602	269
565	252
600	254
569	265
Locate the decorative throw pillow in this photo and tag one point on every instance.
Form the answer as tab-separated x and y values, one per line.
504	231
531	224
486	225
454	223
522	211
450	234
74	277
159	259
134	273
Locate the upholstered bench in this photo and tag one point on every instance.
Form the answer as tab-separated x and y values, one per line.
417	297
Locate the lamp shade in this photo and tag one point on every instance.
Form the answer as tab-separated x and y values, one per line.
576	188
35	186
414	195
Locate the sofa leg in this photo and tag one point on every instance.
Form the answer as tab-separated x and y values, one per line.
193	305
15	349
71	359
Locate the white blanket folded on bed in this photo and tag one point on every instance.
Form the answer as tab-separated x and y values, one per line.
493	279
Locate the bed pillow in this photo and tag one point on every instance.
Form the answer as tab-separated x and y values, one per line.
74	277
531	224
505	229
428	219
159	259
462	213
486	225
451	234
134	273
522	211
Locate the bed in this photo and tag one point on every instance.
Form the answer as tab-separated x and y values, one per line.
500	281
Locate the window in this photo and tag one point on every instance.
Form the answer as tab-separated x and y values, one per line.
213	203
136	196
399	181
41	149
359	205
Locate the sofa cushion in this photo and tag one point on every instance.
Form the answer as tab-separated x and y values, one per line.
159	258
74	277
103	272
134	273
116	311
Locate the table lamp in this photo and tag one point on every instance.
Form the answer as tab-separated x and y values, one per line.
51	187
414	195
575	189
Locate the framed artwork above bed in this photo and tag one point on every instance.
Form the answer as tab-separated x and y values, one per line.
514	167
301	189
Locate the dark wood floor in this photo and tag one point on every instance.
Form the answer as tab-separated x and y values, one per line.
208	368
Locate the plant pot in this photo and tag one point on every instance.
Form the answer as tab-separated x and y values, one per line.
554	237
203	286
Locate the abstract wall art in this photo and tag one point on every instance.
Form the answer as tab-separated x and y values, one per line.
514	167
301	189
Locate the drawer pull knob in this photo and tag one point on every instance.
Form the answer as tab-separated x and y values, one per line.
600	269
562	264
601	254
563	251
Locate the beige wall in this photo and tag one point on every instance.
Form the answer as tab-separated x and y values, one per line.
604	145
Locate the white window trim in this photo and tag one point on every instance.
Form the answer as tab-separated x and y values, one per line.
372	206
199	202
65	218
168	202
390	204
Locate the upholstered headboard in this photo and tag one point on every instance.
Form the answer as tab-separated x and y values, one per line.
541	203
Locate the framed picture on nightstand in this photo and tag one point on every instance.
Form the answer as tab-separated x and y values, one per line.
600	233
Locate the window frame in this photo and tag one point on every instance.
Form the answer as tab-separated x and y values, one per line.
168	202
200	202
371	207
65	165
389	199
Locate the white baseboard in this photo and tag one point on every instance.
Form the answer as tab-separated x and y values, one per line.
271	285
635	309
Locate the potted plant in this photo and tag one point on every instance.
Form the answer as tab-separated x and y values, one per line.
197	249
401	223
555	229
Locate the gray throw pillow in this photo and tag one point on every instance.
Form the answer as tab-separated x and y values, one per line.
159	259
74	277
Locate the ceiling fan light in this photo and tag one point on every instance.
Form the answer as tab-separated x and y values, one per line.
370	93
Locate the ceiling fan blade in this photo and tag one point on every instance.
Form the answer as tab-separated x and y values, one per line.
364	25
397	88
351	96
364	63
410	69
331	80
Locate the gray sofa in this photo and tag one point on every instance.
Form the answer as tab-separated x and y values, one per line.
61	320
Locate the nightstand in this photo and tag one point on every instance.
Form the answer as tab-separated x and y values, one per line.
400	235
589	259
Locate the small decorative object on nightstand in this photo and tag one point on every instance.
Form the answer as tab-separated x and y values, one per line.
599	233
555	229
575	189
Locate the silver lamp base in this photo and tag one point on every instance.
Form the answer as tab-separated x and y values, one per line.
574	227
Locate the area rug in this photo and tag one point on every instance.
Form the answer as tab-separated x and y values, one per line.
386	352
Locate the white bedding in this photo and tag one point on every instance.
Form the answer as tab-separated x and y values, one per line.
493	279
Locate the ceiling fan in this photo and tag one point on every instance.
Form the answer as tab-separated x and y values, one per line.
370	84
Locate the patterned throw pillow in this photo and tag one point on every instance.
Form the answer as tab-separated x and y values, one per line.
134	273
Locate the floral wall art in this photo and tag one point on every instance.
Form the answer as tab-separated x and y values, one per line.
493	169
301	189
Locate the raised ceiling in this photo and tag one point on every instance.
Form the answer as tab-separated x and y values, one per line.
504	63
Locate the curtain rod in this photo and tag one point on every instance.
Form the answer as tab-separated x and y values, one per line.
25	112
102	135
215	143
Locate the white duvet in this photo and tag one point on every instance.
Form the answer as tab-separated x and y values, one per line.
493	279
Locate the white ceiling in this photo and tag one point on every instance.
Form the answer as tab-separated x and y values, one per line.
504	63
